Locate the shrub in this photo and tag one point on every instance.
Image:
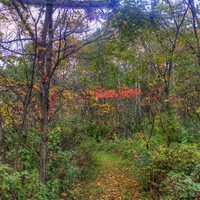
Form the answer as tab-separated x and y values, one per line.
21	185
62	170
179	186
179	158
85	161
196	173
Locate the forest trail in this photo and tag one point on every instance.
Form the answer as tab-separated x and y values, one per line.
113	181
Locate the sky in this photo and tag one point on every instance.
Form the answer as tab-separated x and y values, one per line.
10	28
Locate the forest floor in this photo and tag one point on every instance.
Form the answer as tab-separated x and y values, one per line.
113	181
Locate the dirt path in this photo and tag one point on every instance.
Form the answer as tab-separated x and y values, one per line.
116	184
113	182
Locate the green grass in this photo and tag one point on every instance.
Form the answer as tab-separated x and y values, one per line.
105	158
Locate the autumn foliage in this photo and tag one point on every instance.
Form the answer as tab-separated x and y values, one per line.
117	94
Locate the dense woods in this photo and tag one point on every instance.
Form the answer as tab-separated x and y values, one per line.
99	100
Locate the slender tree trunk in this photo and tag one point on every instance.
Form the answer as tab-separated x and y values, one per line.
44	130
195	25
45	64
1	141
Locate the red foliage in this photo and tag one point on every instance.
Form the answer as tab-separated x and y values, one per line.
116	94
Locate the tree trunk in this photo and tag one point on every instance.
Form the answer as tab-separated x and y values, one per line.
1	141
45	67
44	130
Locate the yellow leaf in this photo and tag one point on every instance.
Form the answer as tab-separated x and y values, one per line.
198	110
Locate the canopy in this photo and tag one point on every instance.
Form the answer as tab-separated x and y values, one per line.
77	4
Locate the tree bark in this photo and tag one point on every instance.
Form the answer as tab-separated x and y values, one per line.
45	66
195	25
1	140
